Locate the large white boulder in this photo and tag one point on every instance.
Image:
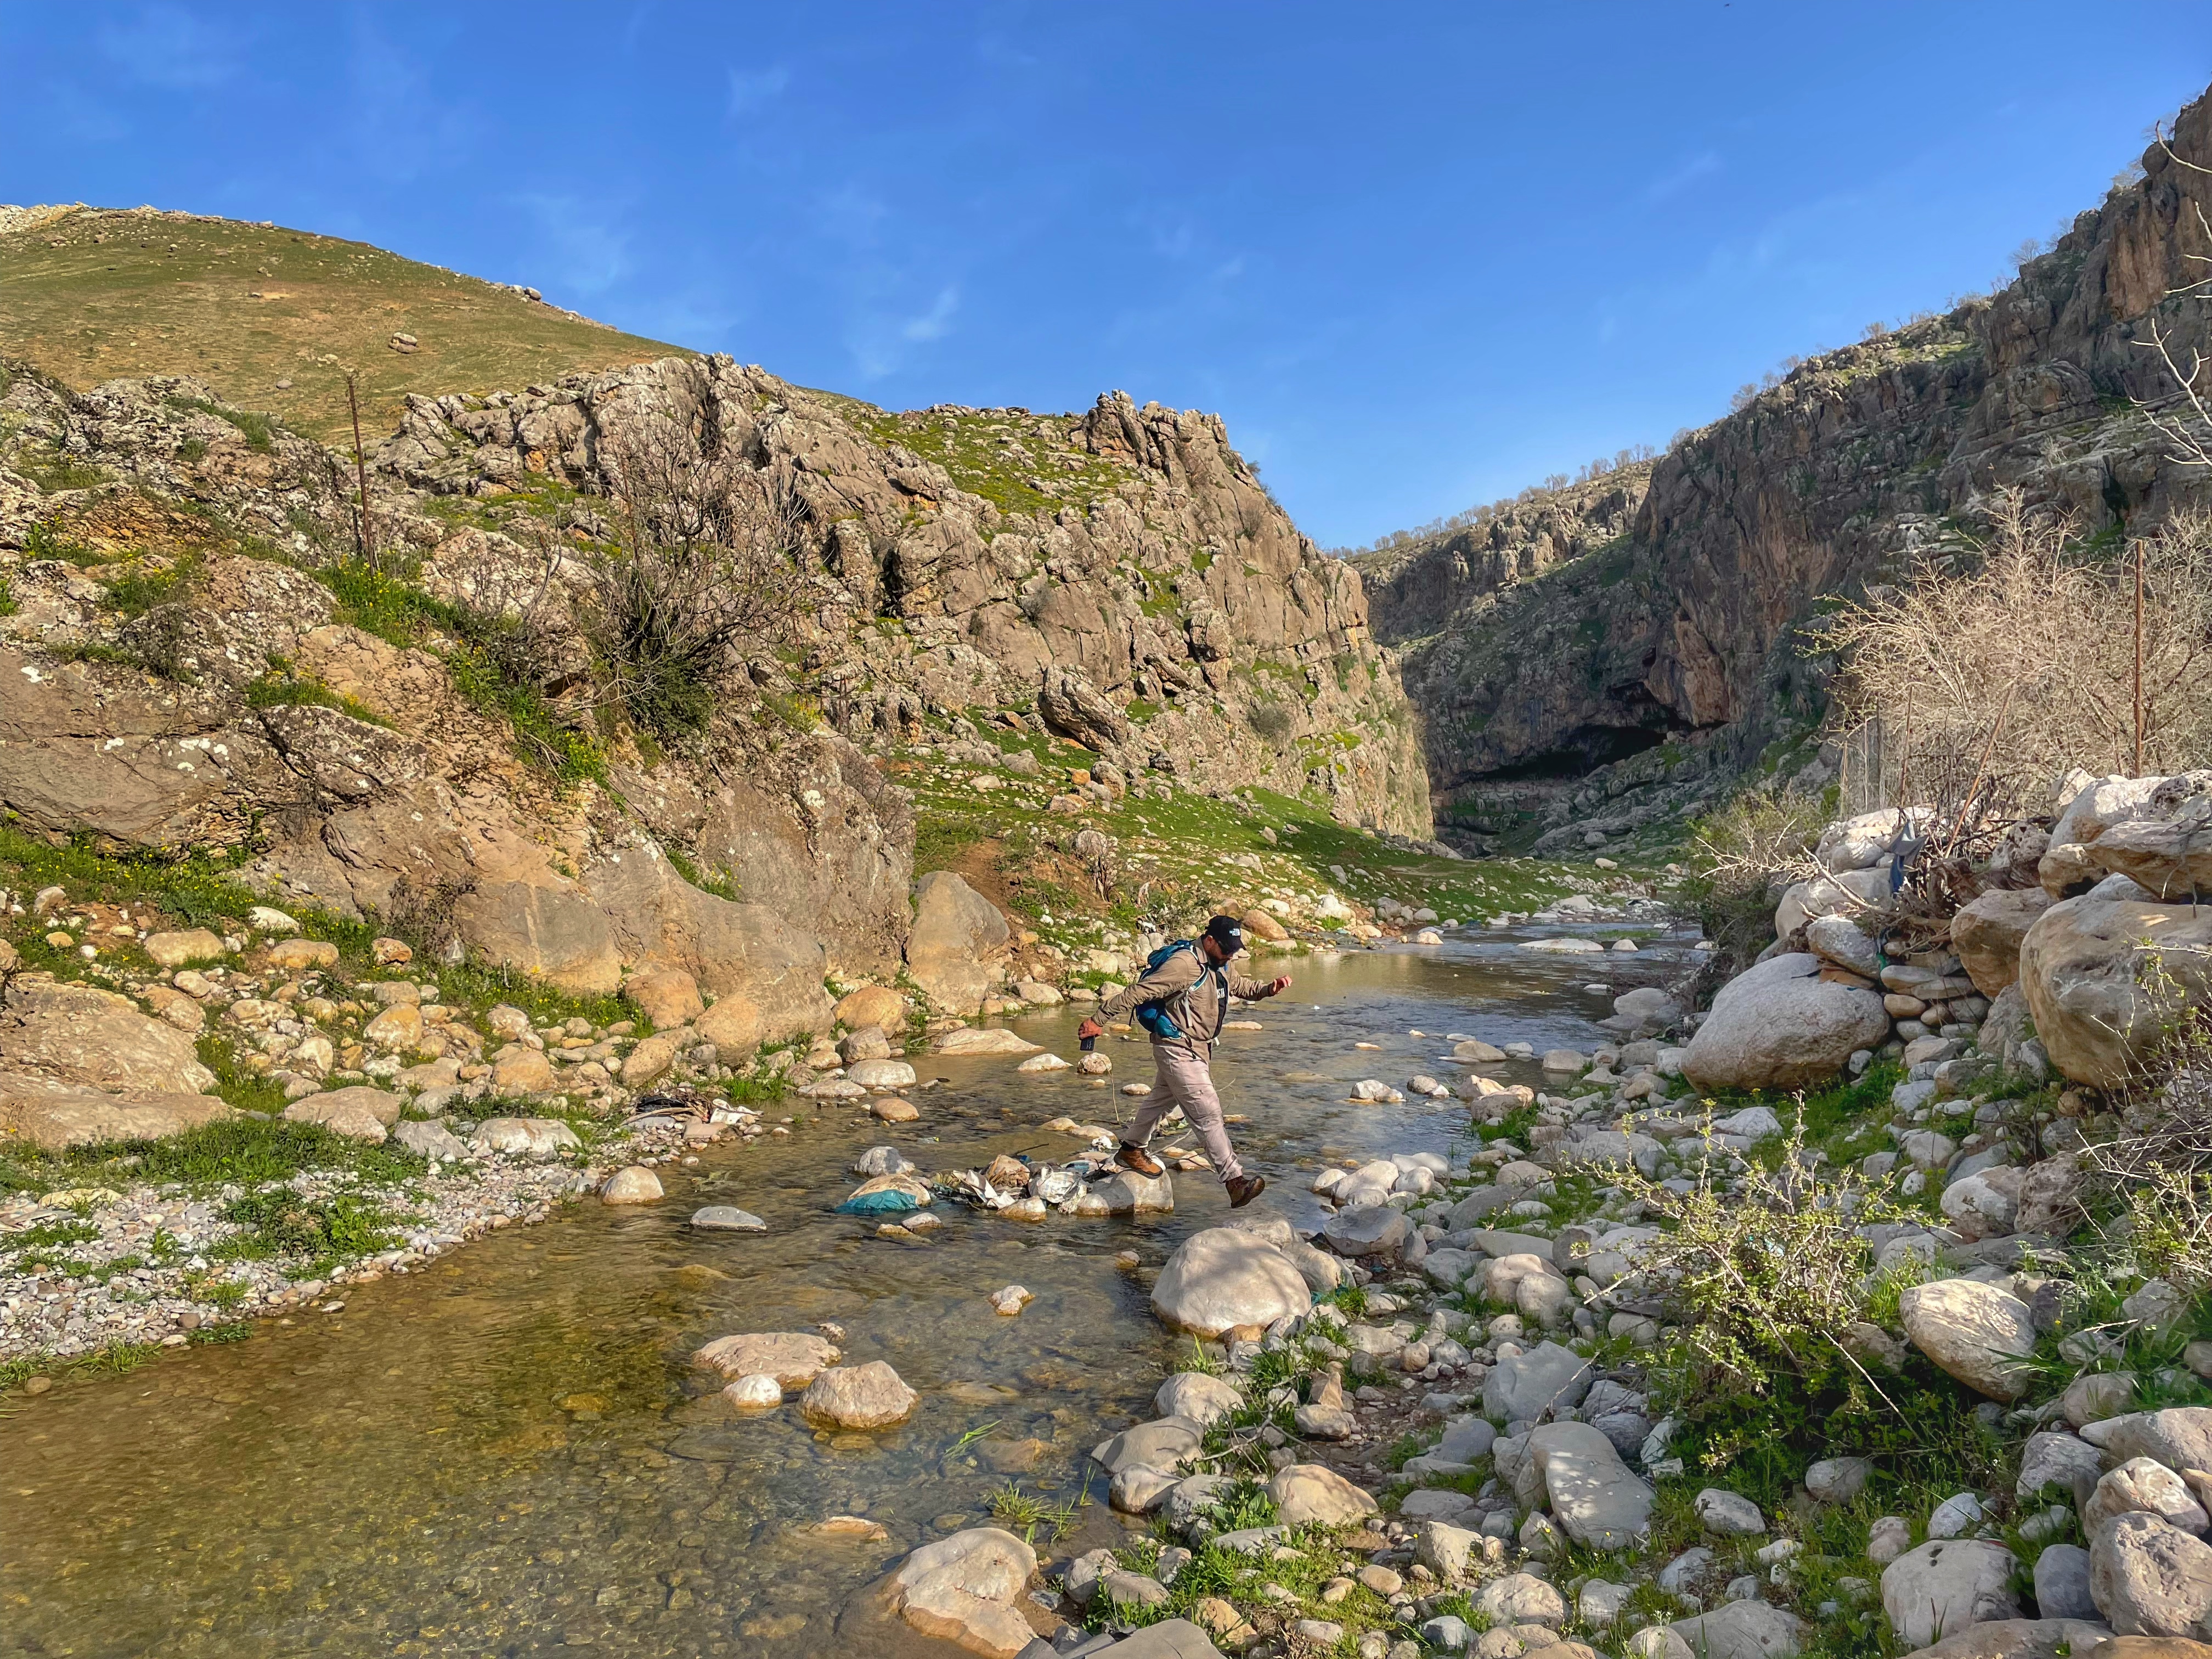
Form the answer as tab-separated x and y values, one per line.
2150	1579
1850	893
2101	977
793	1358
2093	810
1988	931
870	1396
1742	1630
1594	1497
955	950
1940	1588
1204	1399
1521	1387
1312	1494
1980	1334
965	1590
1778	1025
1227	1279
2167	847
1858	844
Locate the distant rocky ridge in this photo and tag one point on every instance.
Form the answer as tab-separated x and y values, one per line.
1602	623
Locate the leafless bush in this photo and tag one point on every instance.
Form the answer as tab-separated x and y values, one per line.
2166	1110
2000	681
512	607
1756	838
708	573
427	909
1740	855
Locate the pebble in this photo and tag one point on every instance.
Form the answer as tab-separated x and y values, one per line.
460	1199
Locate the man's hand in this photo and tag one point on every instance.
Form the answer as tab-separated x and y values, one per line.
1281	985
1089	1027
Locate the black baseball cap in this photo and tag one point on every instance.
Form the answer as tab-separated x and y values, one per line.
1227	932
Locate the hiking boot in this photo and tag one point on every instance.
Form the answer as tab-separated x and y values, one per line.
1244	1188
1137	1158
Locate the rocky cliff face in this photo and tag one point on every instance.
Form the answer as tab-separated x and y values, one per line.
1547	651
196	660
1119	578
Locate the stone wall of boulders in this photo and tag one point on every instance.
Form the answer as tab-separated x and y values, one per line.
2082	943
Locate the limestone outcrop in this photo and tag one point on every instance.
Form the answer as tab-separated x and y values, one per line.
1594	624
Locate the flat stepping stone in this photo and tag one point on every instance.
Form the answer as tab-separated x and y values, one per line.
727	1218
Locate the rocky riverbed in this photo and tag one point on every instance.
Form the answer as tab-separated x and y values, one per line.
511	1444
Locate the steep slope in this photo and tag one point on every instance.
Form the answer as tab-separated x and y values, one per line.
273	315
1862	464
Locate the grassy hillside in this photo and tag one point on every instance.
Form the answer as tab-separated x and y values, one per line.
271	316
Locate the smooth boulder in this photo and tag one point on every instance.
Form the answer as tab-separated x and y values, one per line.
966	1589
1227	1279
955	950
1595	1499
1978	1333
1988	933
2102	977
1941	1587
2149	1578
1743	1630
793	1358
359	1114
1312	1494
1521	1387
870	1396
1779	1025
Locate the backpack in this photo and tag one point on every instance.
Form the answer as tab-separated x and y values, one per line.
1153	1016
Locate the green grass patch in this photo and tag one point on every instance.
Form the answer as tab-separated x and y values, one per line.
379	602
283	688
280	1222
260	435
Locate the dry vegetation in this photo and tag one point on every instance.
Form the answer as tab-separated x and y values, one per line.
1996	684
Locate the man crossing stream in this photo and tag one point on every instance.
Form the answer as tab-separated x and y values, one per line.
1182	1000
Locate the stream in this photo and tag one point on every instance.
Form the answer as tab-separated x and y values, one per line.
507	1452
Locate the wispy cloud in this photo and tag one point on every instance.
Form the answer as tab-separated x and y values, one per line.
1702	165
401	128
749	89
169	46
852	216
934	323
589	254
81	118
882	335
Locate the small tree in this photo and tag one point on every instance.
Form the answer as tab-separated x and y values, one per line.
709	569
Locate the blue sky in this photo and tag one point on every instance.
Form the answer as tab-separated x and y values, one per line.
1419	256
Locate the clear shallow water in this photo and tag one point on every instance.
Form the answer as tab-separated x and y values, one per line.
508	1453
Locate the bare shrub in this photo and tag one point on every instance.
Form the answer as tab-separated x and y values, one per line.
1740	855
1272	721
2000	681
427	909
511	605
709	570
